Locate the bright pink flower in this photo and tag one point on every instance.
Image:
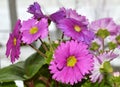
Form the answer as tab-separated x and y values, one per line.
72	61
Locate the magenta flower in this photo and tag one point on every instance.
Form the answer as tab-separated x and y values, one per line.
13	43
35	9
76	30
97	75
67	13
33	29
72	61
104	23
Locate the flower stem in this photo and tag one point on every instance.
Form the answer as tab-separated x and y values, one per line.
103	45
44	46
42	54
30	84
50	42
45	80
62	37
56	84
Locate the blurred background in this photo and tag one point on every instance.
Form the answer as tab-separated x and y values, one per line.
11	10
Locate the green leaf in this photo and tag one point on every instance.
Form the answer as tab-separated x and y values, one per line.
8	84
103	33
12	72
33	64
44	71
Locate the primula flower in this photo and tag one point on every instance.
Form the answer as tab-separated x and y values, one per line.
99	61
76	30
13	44
57	16
35	9
104	24
33	29
67	13
72	61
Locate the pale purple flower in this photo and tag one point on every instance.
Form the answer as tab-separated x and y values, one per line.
13	43
33	30
70	13
104	23
71	62
35	9
67	13
76	30
97	75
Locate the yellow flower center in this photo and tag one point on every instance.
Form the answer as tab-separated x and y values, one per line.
33	30
14	41
77	28
71	61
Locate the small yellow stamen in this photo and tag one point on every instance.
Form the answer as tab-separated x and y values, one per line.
14	41
77	28
33	30
71	61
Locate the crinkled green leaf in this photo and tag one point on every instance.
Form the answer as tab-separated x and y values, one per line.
8	84
12	72
33	64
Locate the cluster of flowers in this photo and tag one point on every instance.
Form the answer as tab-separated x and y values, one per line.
84	53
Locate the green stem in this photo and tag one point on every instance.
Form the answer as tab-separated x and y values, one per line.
57	84
30	83
45	80
103	45
51	48
98	52
42	54
62	37
44	46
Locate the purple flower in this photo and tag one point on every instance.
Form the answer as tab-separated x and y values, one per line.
76	30
67	13
104	23
73	14
97	75
35	9
13	44
56	17
72	61
33	29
